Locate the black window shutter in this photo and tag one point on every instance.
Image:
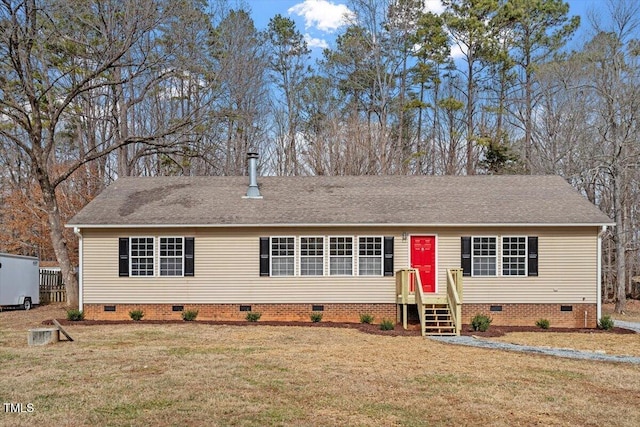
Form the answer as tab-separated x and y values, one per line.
388	256
532	256
189	249
123	257
264	256
465	259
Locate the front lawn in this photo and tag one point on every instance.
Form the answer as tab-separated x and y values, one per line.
195	374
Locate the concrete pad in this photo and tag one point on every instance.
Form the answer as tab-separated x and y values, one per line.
43	336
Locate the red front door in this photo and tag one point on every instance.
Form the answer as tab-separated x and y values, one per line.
423	258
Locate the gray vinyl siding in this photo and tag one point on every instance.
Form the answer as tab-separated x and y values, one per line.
227	268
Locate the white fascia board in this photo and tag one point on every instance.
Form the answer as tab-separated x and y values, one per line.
335	225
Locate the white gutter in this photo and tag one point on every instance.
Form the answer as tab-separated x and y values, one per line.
467	225
76	230
599	270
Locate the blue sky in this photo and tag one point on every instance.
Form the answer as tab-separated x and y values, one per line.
321	20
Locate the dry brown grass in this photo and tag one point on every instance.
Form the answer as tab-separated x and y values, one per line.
631	314
204	375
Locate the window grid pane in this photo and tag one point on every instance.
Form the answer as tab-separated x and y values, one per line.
282	256
311	266
282	266
142	256
370	266
342	266
171	256
370	256
341	256
514	256
484	256
311	256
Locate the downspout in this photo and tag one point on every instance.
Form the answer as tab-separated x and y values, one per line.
77	232
599	273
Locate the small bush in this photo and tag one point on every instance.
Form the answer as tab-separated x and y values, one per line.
606	323
481	322
543	323
387	325
366	318
75	315
253	316
316	317
136	315
189	315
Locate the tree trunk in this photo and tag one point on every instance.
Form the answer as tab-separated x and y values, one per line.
620	239
59	243
470	106
528	121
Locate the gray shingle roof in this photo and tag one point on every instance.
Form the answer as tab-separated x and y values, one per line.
424	200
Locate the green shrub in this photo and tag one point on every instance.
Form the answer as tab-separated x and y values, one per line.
316	317
189	315
253	316
75	315
366	318
606	323
543	323
136	314
387	325
481	322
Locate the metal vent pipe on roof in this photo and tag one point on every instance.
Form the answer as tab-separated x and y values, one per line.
253	192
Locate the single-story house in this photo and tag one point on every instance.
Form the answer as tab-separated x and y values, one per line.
523	247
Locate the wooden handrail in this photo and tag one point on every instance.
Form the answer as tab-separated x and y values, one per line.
419	299
408	284
454	296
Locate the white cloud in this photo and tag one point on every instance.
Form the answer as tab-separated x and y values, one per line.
322	14
458	51
434	6
315	42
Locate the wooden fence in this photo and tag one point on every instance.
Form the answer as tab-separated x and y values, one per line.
52	287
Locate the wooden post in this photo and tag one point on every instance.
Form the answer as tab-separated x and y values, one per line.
65	333
459	280
404	316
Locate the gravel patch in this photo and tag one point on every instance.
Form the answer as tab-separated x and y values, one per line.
549	351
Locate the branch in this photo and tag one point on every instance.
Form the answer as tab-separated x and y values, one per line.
150	139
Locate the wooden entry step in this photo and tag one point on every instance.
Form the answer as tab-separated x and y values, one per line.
438	320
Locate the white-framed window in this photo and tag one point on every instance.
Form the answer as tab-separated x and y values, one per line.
171	256
484	256
341	256
283	255
141	259
311	256
370	256
514	256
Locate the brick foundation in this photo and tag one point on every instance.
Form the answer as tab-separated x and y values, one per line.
280	312
528	314
511	314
